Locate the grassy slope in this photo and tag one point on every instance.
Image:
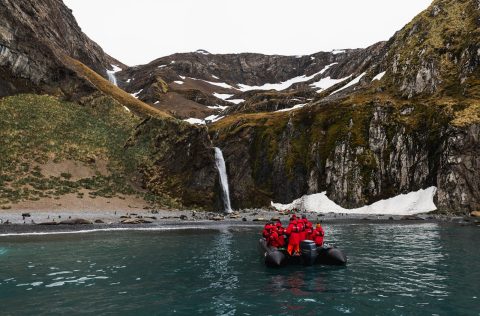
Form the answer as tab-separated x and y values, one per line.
37	129
138	107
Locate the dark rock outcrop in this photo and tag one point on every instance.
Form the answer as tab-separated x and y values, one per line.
458	178
34	35
358	158
414	128
181	162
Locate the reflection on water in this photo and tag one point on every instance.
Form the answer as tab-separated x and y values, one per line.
415	269
220	273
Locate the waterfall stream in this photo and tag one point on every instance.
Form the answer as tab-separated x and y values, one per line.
222	170
111	77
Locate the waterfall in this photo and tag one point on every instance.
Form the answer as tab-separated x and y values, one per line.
111	77
222	170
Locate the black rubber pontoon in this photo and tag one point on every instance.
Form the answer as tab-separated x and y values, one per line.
310	255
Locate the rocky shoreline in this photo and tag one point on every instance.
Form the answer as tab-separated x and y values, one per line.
13	223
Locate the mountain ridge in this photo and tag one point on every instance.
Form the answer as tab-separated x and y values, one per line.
361	124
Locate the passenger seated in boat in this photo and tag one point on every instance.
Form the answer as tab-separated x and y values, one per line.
294	236
317	235
274	240
309	231
266	230
281	234
303	223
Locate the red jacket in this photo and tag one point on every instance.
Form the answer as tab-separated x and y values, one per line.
275	240
317	235
294	233
302	223
266	230
309	233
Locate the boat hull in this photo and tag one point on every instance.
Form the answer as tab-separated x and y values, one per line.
310	255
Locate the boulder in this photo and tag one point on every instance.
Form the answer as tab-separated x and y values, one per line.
135	221
411	218
99	221
475	214
76	221
48	223
183	217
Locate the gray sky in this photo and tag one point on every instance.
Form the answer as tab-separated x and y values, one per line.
138	31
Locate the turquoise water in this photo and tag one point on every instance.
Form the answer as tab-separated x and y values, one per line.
424	269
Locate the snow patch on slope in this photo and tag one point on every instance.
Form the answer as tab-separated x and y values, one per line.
284	85
195	121
295	107
351	83
219	84
326	83
404	204
135	95
222	96
218	107
208	119
236	101
379	76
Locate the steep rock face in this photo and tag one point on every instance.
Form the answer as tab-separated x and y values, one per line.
181	163
416	126
437	51
33	37
359	155
458	179
393	161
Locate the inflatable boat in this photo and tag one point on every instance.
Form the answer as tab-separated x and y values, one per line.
310	255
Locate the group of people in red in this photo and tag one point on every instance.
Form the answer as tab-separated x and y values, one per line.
298	229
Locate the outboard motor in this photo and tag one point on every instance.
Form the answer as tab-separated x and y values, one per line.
309	252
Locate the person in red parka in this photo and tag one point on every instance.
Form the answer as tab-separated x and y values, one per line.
281	234
303	227
318	234
274	239
266	230
294	236
309	231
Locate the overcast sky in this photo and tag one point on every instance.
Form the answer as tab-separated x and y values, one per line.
136	32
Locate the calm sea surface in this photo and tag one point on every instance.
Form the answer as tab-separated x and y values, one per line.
413	269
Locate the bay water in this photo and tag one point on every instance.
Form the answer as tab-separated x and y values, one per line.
393	269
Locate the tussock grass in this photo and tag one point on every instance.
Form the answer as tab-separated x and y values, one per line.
36	129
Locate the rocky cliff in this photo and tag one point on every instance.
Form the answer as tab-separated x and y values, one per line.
414	125
361	124
34	35
128	148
